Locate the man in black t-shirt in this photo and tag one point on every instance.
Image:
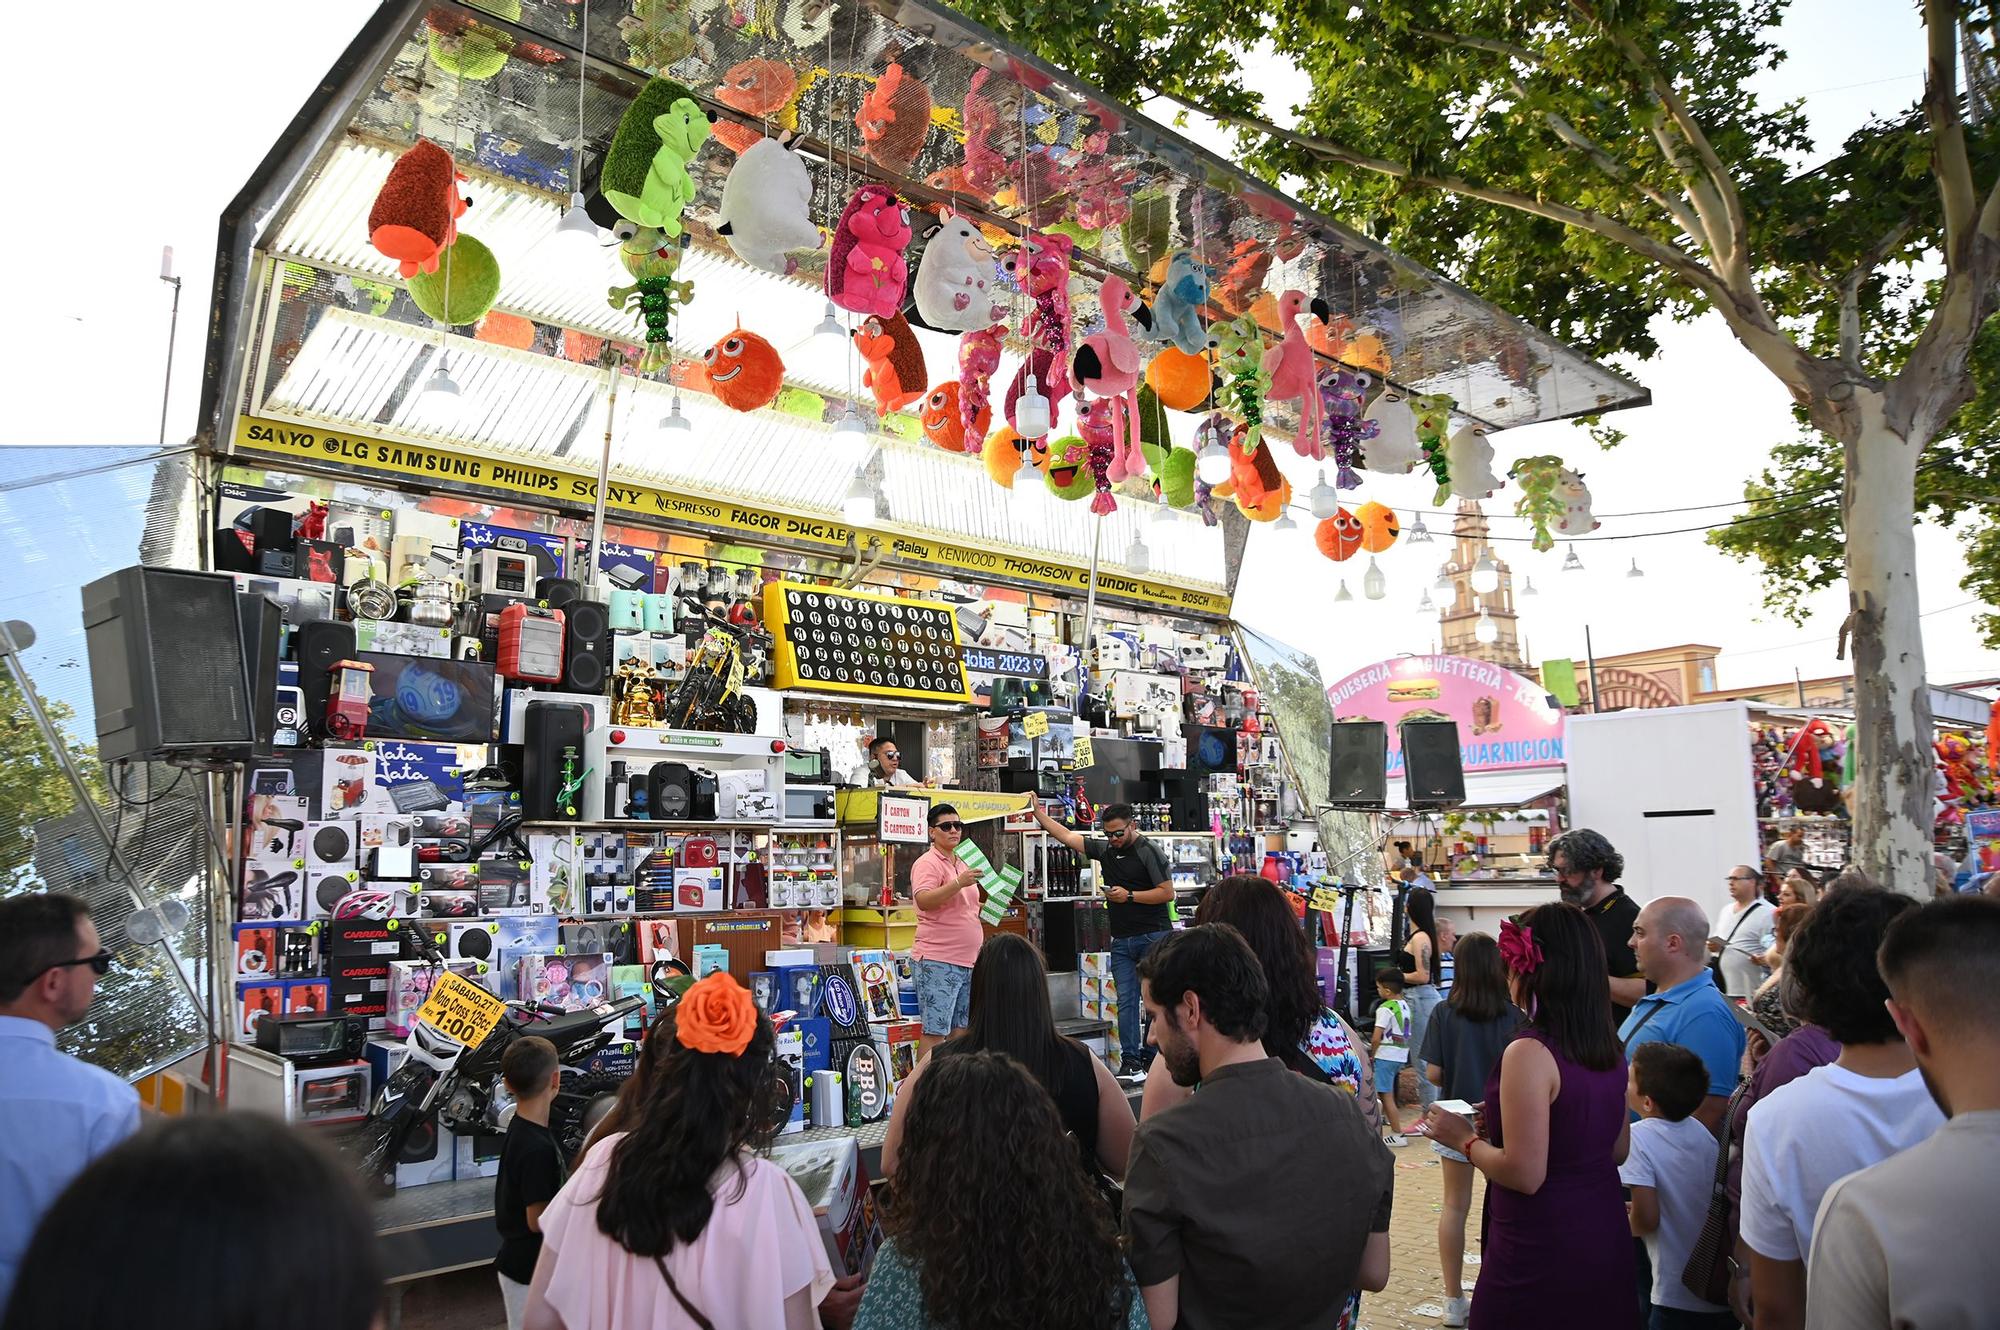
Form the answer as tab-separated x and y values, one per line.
1587	870
531	1168
1138	888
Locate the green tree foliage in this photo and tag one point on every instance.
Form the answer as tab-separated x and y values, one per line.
32	783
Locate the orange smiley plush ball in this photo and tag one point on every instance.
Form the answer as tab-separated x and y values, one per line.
744	371
1339	536
1379	527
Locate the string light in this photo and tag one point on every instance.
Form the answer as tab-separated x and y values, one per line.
1373	584
1325	499
1486	574
1572	564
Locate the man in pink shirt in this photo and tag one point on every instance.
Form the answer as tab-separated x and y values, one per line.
948	932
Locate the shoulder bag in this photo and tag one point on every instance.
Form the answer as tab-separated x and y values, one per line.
1712	1258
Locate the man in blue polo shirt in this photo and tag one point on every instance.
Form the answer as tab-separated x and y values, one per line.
1670	938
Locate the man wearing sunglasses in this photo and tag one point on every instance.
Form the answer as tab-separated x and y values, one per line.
56	1113
1138	886
946	890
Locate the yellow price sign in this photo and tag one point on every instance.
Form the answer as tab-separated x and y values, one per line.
1085	754
1324	898
1036	725
461	1010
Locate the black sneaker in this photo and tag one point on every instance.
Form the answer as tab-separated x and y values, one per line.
1131	1067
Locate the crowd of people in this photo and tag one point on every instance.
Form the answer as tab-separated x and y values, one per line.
1781	1117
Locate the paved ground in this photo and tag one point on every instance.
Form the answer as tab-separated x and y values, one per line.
469	1300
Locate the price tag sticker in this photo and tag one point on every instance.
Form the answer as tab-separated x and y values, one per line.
1324	898
1036	725
461	1010
1085	755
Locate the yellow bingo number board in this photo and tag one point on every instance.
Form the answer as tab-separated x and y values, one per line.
461	1010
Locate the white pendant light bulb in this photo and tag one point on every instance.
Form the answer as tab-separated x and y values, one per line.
1635	570
850	423
439	385
1211	464
1325	499
1417	533
1425	604
1136	556
1485	630
1031	411
1572	564
1373	584
1343	594
858	507
440	403
1162	511
674	420
1285	522
576	238
1528	589
1444	577
829	326
1486	574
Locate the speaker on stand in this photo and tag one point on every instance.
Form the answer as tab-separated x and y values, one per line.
1358	764
1433	772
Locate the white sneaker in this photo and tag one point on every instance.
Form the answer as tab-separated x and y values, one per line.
1456	1311
1393	1141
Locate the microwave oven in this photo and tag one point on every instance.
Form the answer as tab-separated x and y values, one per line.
808	766
808	803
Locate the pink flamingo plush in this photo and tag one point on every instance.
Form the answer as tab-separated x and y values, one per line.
1292	371
1041	268
1107	364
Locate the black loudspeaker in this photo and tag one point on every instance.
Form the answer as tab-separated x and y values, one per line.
558	591
701	800
1359	759
586	647
166	664
270	528
670	790
1433	774
550	729
321	644
259	622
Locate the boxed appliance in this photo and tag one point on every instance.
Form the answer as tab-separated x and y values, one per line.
330	1094
570	982
835	1183
709	958
410	982
791	1051
875	973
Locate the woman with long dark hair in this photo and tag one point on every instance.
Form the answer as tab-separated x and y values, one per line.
1299	1029
991	1221
677	1222
1010	1014
1466	1038
1553	1135
1420	962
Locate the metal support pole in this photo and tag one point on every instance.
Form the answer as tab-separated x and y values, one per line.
173	327
1089	616
1590	659
604	475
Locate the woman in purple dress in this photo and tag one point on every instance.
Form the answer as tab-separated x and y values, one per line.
1557	1246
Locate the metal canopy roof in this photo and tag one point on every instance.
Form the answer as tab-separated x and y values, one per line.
334	340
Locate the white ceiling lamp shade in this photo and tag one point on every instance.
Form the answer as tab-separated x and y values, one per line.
1325	499
1635	570
1211	463
1373	584
1443	582
1031	411
1417	533
575	241
440	404
1285	522
851	423
857	508
1572	564
829	325
1137	558
1486	574
1162	511
1528	588
1343	595
1424	603
1485	631
675	422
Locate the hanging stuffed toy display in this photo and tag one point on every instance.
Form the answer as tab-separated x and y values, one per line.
1342	397
1292	370
1379	527
1041	268
865	270
1430	416
1067	470
1255	483
1107	364
1204	501
1172	468
1393	449
985	170
1147	230
954	283
1239	356
1002	455
1182	381
415	213
944	426
470	277
895	374
1539	478
1240	283
1575	496
766	208
656	293
978	358
893	119
1471	455
1339	536
744	371
756	87
644	175
1178	307
1093	422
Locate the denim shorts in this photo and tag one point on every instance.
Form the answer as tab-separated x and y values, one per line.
1385	1076
944	996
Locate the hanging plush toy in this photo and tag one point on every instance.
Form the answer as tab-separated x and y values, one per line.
744	371
1393	449
655	293
807	23
416	212
893	119
978	358
644	175
1539	478
954	285
1107	364
888	345
1343	395
766	207
1430	416
1379	527
1041	269
1147	230
1177	309
1094	425
1067	471
1293	371
985	169
1204	502
1241	282
463	287
865	270
1182	381
1002	455
1339	536
757	87
1471	455
1239	356
1575	496
1255	483
944	426
1172	468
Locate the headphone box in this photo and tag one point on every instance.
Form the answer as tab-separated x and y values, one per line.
256	951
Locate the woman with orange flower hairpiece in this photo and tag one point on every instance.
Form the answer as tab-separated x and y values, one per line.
678	1222
1552	1137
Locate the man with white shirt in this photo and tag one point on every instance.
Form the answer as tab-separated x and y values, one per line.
1908	1241
1743	932
56	1113
885	762
1856	1111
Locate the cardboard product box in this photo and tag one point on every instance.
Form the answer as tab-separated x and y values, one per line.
896	1041
256	951
1090	988
520	935
799	989
390	637
840	1002
659	938
506	886
764	990
570	982
709	958
792	1059
555	881
835	1183
380	939
634	981
254	1002
360	987
477	1155
875	977
1107	988
439	1165
308	997
450	877
449	905
410	982
817	1032
1096	964
698	889
777	958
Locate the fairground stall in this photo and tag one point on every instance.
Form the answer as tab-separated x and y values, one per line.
618	416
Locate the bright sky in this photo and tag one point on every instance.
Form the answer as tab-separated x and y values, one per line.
88	356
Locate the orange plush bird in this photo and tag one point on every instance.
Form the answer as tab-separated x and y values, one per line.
895	361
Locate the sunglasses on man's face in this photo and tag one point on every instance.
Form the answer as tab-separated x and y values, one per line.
951	826
101	963
1117	833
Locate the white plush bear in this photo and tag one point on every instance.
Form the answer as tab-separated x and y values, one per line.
954	285
1470	454
1394	450
1575	496
766	204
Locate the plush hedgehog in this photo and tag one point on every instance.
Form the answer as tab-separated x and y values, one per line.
416	212
766	207
756	87
893	119
866	270
895	361
622	176
955	279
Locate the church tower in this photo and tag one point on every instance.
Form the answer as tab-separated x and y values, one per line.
1458	620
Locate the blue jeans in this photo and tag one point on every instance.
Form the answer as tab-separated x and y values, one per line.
1126	953
1423	1000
